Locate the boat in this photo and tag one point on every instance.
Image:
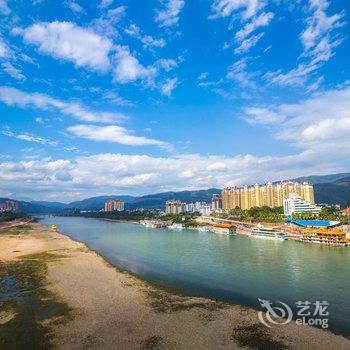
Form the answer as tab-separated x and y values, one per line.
260	231
223	229
175	226
321	235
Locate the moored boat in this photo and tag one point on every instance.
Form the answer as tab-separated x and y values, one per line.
260	231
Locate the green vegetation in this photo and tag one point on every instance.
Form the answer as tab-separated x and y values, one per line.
16	230
327	213
257	337
163	301
9	216
27	307
255	214
188	219
114	215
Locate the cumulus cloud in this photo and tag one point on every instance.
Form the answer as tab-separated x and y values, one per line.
67	41
140	174
128	68
14	97
169	16
319	123
113	133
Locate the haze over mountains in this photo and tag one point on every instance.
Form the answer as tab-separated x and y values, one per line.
329	189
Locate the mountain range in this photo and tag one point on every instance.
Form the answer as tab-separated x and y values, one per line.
329	189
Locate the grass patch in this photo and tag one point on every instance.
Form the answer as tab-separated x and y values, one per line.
16	230
152	342
163	301
256	337
23	293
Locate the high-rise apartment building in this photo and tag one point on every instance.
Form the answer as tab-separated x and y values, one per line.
271	195
216	202
174	207
114	205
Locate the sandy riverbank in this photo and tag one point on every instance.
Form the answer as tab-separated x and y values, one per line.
91	305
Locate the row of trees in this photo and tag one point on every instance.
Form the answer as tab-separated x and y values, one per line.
268	214
9	215
254	214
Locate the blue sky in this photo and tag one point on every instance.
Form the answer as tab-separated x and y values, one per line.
134	97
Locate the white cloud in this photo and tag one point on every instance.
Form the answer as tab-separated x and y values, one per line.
4	50
106	25
169	16
319	44
248	13
203	76
105	3
29	138
248	43
248	8
74	6
4	8
320	123
113	133
319	24
262	20
239	73
13	71
147	41
140	174
167	64
70	42
256	115
168	87
128	68
15	97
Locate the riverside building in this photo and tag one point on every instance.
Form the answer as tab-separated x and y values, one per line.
295	204
114	205
271	195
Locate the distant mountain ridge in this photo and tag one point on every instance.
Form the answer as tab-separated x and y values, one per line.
329	189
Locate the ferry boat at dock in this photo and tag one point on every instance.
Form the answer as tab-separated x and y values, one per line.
223	229
323	235
260	231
